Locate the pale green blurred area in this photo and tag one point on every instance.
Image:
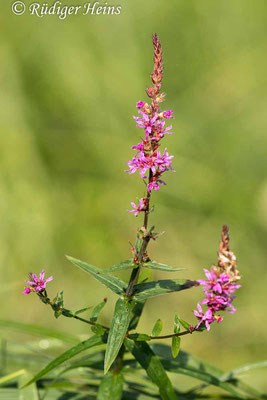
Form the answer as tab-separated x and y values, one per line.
68	93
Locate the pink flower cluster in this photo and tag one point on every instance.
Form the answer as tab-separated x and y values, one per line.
36	285
148	160
218	290
140	207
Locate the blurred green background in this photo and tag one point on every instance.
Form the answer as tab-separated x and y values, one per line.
68	93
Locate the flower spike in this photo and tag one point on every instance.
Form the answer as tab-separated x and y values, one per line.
149	161
219	286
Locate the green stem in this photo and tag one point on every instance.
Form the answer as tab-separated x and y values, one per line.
173	335
146	238
118	364
46	300
90	322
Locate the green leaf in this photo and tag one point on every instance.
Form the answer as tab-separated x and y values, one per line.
136	314
157	328
139	337
98	329
185	324
176	324
82	310
111	387
113	283
138	243
82	346
160	267
143	291
153	367
124	265
67	313
176	341
58	300
118	329
96	310
57	313
186	364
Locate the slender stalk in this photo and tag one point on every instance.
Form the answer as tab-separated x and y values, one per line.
136	271
46	300
89	322
148	201
172	335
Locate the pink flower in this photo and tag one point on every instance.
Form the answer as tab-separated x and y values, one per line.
218	292
141	206
206	317
37	285
146	122
168	114
155	184
159	131
139	162
164	161
140	104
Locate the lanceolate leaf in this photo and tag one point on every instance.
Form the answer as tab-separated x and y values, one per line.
161	267
127	264
157	328
113	283
154	369
82	310
87	344
139	337
111	387
185	324
176	324
176	341
119	326
98	329
96	310
143	291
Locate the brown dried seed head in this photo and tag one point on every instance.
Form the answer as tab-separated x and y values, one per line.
157	73
226	258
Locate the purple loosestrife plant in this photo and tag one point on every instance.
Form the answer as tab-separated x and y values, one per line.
124	344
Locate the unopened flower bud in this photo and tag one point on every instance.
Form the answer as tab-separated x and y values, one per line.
150	91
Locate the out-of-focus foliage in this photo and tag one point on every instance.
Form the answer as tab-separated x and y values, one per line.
68	93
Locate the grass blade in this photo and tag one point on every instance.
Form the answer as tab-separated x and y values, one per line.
67	355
